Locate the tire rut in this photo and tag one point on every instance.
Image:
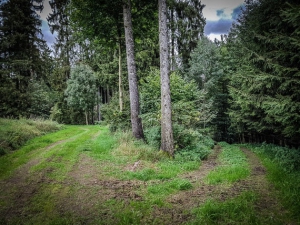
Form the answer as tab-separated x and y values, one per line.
17	190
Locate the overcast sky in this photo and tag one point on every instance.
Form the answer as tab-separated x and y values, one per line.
219	16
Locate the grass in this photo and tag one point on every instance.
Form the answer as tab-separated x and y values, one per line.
239	210
234	166
280	174
109	191
15	133
34	147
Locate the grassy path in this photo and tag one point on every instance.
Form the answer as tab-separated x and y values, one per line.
83	175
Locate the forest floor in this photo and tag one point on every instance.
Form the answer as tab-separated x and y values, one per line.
67	182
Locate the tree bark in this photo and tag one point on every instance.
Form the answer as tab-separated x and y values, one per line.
120	78
167	142
136	122
86	117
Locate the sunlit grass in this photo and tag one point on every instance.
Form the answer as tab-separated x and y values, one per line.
33	148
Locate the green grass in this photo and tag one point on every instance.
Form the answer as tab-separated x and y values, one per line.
33	148
239	210
285	180
234	166
15	133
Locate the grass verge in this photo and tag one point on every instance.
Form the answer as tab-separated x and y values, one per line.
285	176
15	133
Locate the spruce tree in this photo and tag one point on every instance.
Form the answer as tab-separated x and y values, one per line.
22	52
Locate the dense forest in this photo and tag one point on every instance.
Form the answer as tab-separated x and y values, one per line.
147	66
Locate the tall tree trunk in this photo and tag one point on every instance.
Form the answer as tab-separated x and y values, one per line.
167	142
120	78
136	122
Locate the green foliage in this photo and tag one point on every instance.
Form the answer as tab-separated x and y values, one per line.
81	89
185	116
117	120
42	100
209	68
264	85
287	158
239	210
185	26
24	56
234	166
15	133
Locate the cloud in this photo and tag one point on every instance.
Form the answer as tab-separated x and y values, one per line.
48	36
236	12
217	27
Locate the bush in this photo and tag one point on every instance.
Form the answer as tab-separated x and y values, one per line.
111	114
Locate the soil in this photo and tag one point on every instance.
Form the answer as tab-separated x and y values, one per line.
87	189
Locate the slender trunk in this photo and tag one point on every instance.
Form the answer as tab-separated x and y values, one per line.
99	103
86	118
136	122
167	142
108	96
120	78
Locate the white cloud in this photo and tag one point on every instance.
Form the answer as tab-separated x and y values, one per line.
214	36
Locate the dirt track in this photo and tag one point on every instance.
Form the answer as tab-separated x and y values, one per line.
85	190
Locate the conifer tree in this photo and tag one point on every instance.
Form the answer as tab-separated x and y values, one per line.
22	52
264	88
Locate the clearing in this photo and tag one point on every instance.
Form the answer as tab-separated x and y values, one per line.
78	176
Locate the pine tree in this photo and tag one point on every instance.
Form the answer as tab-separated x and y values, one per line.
186	27
21	54
264	88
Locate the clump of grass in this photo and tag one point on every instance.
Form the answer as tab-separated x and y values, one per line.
234	166
239	210
15	133
158	192
128	146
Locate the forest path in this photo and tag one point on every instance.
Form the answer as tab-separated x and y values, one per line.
63	184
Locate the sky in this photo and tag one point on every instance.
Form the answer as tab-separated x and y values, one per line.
219	14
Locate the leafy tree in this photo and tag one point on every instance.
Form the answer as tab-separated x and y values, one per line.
81	89
186	113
